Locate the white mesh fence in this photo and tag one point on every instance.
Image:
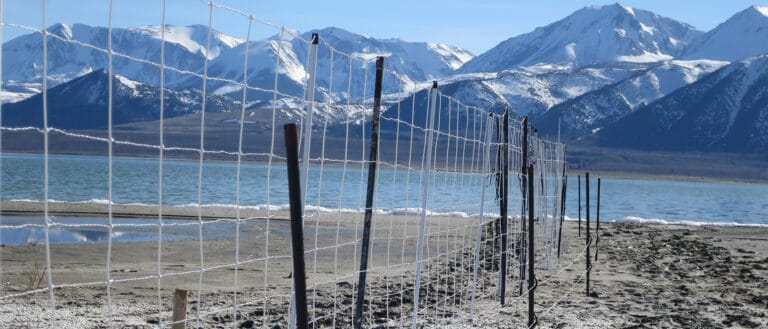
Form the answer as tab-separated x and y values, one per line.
196	199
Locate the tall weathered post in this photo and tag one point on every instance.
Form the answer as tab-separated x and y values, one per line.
531	257
523	171
297	229
503	203
589	237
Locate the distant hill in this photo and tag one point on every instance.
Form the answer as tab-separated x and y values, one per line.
82	103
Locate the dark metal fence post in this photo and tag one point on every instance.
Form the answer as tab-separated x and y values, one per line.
523	171
579	187
597	228
369	195
589	237
503	203
562	211
297	234
532	282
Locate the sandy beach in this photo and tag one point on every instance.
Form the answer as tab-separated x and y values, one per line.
660	276
646	276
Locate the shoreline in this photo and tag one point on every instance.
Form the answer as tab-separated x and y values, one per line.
20	208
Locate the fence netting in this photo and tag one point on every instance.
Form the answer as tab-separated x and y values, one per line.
102	225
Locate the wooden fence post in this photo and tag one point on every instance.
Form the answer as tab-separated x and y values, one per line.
179	309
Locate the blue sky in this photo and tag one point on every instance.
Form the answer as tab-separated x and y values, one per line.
477	25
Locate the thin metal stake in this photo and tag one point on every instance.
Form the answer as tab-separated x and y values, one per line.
369	195
597	229
424	200
523	170
579	187
589	237
562	212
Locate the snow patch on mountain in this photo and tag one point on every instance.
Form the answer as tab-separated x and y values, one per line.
761	9
127	82
645	58
193	38
454	56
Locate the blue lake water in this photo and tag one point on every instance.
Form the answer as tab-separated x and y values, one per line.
671	201
135	180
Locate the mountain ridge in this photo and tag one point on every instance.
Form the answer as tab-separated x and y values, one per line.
587	71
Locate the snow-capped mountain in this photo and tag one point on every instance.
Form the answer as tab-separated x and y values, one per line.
740	37
82	103
406	63
724	111
594	34
419	61
592	111
70	57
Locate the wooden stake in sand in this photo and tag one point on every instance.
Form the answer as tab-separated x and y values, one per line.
179	309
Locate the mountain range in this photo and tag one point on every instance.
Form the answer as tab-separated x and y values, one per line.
606	75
